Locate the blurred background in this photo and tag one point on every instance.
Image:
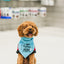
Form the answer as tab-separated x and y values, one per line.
55	14
50	40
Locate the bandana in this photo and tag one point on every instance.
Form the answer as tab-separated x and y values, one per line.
26	46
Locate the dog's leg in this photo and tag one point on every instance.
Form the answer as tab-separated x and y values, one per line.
34	60
25	61
31	59
20	59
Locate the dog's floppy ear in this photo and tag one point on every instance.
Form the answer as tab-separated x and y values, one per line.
36	31
20	30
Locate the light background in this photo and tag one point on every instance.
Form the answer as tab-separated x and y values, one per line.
49	45
49	42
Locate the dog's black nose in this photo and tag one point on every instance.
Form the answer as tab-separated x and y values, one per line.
30	29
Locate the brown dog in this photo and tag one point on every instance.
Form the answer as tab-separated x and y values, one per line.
27	29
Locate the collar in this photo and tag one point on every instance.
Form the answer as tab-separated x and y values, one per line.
26	40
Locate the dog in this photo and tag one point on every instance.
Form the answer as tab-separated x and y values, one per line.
26	49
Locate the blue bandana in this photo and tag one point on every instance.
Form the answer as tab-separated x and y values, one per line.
26	46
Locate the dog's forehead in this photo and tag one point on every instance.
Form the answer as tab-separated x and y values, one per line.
28	24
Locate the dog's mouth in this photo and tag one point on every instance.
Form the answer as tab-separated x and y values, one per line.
29	34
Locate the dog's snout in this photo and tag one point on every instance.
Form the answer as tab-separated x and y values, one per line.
30	29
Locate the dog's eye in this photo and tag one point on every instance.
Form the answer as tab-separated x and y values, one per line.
32	26
25	26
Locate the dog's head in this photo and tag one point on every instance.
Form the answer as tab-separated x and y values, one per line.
27	29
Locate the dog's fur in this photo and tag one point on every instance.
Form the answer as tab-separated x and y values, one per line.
23	31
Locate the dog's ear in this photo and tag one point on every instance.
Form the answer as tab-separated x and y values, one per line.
20	30
36	31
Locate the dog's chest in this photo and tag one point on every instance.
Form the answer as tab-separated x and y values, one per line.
26	47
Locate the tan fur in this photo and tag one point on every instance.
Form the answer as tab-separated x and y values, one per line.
22	31
20	59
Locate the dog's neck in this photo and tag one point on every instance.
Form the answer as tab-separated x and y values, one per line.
25	39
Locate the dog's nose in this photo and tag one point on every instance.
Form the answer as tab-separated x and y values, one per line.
30	29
